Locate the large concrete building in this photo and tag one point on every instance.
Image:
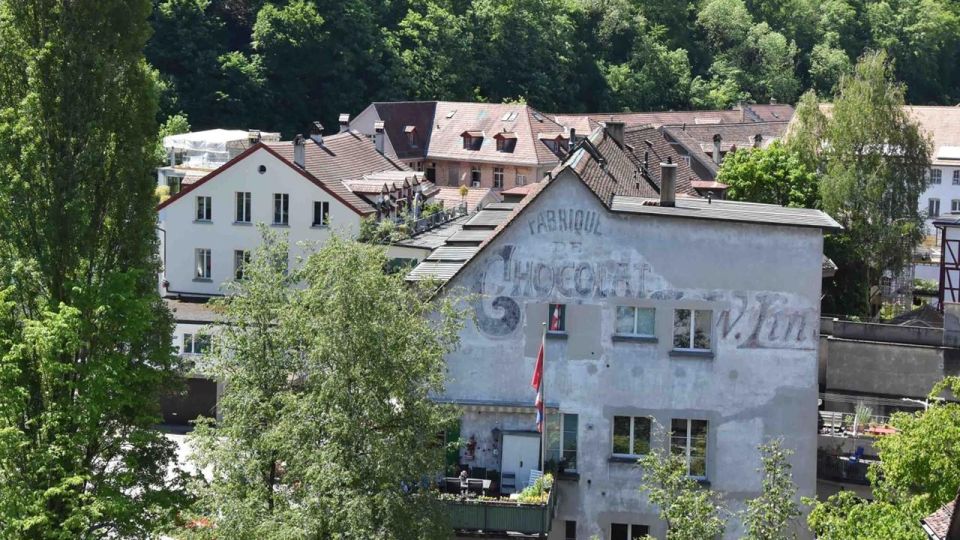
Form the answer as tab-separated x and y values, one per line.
665	309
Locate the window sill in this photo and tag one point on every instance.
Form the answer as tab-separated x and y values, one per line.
685	353
283	225
556	334
318	226
624	459
203	221
702	480
569	475
243	223
203	280
624	338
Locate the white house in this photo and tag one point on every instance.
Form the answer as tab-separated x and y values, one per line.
700	316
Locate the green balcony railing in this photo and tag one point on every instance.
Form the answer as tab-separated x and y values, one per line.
502	516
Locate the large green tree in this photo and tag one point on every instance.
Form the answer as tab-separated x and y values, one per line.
772	175
326	428
84	337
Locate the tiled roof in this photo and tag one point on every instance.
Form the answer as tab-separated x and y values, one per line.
647	141
736	115
398	116
739	135
344	156
454	118
772	112
185	311
450	195
436	237
944	523
942	124
519	190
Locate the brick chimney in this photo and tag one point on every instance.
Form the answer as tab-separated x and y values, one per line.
299	151
316	132
573	139
668	183
717	139
344	122
378	135
615	130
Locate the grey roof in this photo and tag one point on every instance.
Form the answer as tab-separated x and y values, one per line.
487	219
721	210
452	253
501	206
434	270
474	236
436	237
195	311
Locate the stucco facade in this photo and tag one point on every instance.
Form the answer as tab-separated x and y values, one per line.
756	380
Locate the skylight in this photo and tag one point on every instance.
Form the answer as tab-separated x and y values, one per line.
451	113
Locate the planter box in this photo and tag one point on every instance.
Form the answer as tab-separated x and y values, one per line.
501	517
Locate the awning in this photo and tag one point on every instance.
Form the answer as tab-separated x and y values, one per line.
478	134
505	135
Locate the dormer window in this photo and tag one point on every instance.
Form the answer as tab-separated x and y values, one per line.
411	133
506	141
553	141
472	140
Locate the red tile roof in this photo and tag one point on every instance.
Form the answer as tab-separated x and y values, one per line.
450	195
944	523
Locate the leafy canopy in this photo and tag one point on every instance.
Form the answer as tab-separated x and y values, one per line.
772	175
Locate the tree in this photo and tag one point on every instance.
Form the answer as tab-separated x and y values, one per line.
85	342
770	516
691	512
653	77
326	429
873	158
772	175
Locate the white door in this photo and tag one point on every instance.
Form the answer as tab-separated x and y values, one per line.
521	452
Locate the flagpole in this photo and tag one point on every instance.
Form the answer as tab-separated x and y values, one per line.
543	398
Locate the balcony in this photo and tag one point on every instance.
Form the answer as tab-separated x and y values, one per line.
501	517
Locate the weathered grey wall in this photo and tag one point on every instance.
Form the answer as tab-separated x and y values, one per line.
762	283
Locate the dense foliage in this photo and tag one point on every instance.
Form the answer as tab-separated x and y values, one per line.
772	175
280	64
84	337
326	428
918	471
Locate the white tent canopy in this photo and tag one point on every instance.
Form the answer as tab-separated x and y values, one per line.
210	148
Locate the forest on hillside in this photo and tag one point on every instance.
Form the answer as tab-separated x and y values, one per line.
277	65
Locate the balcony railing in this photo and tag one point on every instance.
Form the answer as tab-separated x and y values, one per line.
430	222
502	516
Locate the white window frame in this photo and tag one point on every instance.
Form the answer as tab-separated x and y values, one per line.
204	208
498	175
242	212
203	261
636	318
281	208
956	177
521	179
685	158
633	425
324	214
955	206
693	330
479	181
241	258
191	342
936	176
933	207
689	445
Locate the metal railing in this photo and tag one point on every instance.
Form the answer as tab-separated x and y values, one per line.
435	220
838	423
502	516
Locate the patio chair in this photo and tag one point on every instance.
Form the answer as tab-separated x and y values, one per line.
474	486
534	476
451	485
478	472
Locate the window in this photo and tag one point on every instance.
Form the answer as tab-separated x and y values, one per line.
570	530
557	318
281	208
418	166
240	259
453	176
936	175
688	438
498	177
203	260
691	329
195	344
562	435
431	173
474	176
933	207
956	177
955	206
176	182
521	179
631	435
635	321
204	209
625	531
243	207
321	213
472	142
411	137
685	159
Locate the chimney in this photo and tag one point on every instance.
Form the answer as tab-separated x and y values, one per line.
716	148
316	132
615	130
773	101
299	151
742	105
668	183
573	138
344	122
378	135
253	136
757	140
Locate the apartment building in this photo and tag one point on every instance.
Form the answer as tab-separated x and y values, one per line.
191	156
479	145
648	318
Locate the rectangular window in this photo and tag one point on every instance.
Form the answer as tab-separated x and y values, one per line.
321	213
204	209
243	207
453	176
628	531
956	177
562	443
174	183
691	329
936	175
570	530
240	259
431	173
521	179
498	177
557	317
203	260
195	344
474	176
631	435
955	206
688	438
933	207
685	159
635	321
281	208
